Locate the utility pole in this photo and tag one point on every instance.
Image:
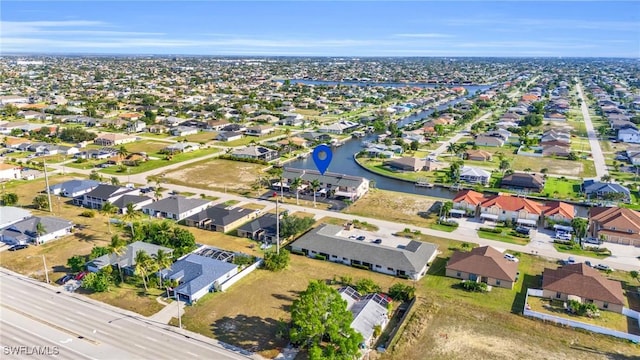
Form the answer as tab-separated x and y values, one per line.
46	272
175	294
46	182
277	226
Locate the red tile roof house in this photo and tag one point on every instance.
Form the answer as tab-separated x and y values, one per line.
558	212
468	200
484	264
616	225
516	209
585	284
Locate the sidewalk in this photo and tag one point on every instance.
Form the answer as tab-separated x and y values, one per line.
169	311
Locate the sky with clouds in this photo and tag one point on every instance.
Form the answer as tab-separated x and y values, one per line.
323	28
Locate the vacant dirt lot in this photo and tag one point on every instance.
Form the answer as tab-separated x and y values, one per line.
447	330
217	174
394	206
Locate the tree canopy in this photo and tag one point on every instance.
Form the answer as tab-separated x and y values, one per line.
322	324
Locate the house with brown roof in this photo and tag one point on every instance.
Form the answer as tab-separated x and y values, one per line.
584	284
523	181
554	150
558	212
478	155
467	200
616	225
483	264
516	209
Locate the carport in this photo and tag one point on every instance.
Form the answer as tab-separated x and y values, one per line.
527	222
557	227
490	217
456	212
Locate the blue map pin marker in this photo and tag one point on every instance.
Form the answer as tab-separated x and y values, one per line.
322	157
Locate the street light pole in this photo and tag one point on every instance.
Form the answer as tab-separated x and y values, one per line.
46	272
277	227
175	294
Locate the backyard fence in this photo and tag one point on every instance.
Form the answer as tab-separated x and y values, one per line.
577	324
246	271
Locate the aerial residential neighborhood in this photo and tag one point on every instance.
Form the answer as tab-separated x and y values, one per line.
403	191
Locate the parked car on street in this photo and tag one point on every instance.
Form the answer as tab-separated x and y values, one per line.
377	241
523	230
361	238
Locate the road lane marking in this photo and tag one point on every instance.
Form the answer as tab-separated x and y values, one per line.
140	346
152	339
10	297
66	341
192	354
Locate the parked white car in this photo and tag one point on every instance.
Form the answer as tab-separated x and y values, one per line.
511	257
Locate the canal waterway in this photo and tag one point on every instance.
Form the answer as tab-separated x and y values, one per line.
343	156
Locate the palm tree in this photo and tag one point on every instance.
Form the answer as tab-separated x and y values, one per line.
606	178
141	267
295	185
451	148
115	181
158	193
122	152
315	186
117	247
164	261
107	210
131	214
287	132
40	230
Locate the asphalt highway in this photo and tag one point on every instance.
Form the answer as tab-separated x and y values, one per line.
38	321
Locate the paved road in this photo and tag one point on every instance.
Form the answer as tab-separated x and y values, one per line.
596	150
36	314
454	139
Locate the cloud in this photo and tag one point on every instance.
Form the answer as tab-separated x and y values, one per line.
424	35
546	23
63	28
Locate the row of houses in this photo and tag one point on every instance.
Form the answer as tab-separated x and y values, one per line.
574	281
505	207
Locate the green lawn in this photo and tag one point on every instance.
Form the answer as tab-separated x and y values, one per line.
154	164
248	139
559	188
581	252
440	227
504	237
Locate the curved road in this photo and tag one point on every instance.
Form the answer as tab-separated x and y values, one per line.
70	326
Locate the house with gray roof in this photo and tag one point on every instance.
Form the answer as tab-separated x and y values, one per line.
220	218
103	193
340	185
198	275
368	312
11	215
73	188
474	175
604	190
26	230
138	202
256	153
126	261
260	229
408	261
175	207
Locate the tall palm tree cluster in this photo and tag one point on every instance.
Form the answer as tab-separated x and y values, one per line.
457	149
147	265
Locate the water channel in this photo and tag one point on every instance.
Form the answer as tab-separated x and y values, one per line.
343	162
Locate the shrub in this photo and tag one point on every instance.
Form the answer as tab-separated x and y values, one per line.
297	252
474	286
276	262
367	286
491	230
450	223
320	257
401	292
88	213
360	266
